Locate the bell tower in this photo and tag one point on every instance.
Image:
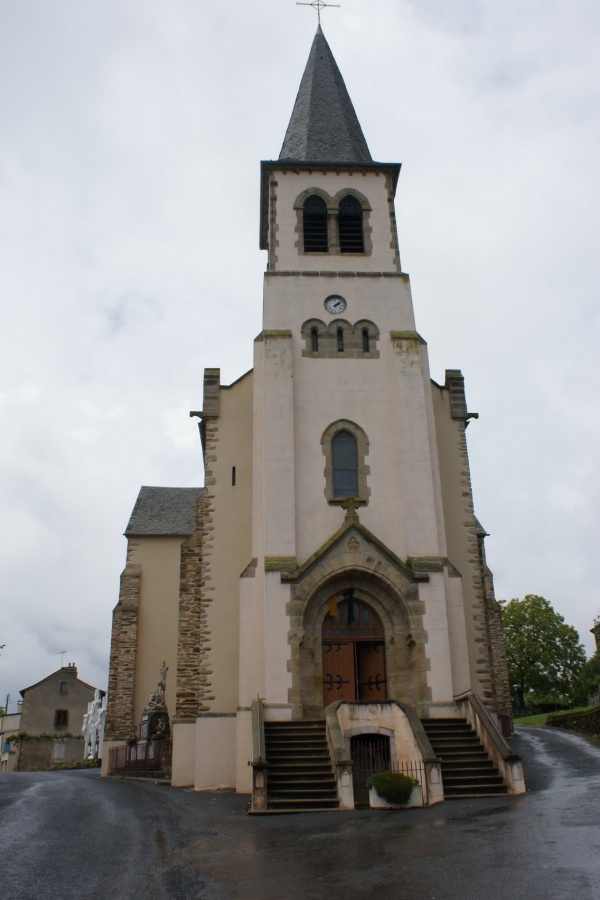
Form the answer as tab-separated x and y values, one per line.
342	410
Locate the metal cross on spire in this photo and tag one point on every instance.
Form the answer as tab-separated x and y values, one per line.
318	5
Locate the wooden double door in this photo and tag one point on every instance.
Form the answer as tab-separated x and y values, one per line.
353	652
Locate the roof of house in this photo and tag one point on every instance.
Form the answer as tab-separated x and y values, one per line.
164	511
64	672
324	126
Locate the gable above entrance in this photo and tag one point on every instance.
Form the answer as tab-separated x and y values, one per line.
352	547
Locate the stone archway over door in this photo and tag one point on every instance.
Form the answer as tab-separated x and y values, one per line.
353	652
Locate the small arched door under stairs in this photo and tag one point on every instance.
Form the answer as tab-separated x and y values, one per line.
353	652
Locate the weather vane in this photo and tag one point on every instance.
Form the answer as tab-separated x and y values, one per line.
318	5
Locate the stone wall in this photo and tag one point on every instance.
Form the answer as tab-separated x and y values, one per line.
38	755
479	611
121	677
190	636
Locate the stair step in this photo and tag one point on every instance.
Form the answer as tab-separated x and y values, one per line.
472	779
303	794
316	777
467	770
300	776
470	792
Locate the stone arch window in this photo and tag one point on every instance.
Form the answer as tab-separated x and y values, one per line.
350	225
316	338
366	336
340	339
345	446
314	222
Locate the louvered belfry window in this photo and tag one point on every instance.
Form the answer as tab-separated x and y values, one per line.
345	465
315	225
350	225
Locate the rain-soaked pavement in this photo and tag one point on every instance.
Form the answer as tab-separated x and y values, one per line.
73	835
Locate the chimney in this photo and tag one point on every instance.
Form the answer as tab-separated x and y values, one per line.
72	669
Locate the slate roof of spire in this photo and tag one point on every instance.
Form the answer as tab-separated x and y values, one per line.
324	126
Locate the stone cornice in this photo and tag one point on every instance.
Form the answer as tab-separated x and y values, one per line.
293	273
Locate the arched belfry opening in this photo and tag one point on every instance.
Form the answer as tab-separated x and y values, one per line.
352	639
350	225
315	225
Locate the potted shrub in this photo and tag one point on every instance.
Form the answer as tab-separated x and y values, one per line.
394	790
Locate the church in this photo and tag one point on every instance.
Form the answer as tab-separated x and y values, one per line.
323	604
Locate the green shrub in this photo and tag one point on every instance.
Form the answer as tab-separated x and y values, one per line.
394	787
586	721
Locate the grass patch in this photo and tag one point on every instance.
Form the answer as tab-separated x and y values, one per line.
540	719
535	721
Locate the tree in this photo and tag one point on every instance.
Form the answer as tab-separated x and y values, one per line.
544	654
587	681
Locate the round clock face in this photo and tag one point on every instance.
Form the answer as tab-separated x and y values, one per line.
335	304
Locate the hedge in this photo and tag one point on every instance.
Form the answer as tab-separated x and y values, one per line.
585	722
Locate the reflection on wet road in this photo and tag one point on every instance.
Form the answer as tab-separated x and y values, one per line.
71	835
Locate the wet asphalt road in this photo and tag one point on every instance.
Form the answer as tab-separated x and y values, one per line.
73	835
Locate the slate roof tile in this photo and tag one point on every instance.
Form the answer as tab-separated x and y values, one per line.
324	126
164	511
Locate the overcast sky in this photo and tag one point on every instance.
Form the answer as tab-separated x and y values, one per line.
130	138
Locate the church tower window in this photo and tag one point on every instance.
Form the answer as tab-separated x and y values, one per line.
345	465
314	339
345	447
315	225
340	340
350	225
365	340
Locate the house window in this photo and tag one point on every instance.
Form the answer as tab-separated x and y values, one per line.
344	455
350	225
315	225
59	750
63	687
61	718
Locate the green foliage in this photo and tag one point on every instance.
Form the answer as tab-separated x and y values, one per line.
585	721
588	680
394	787
24	736
77	764
544	654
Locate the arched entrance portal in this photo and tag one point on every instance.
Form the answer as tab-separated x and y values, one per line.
353	651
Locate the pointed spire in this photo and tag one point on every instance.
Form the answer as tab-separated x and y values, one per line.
324	126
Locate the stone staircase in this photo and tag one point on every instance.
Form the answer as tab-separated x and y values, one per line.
300	774
467	770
